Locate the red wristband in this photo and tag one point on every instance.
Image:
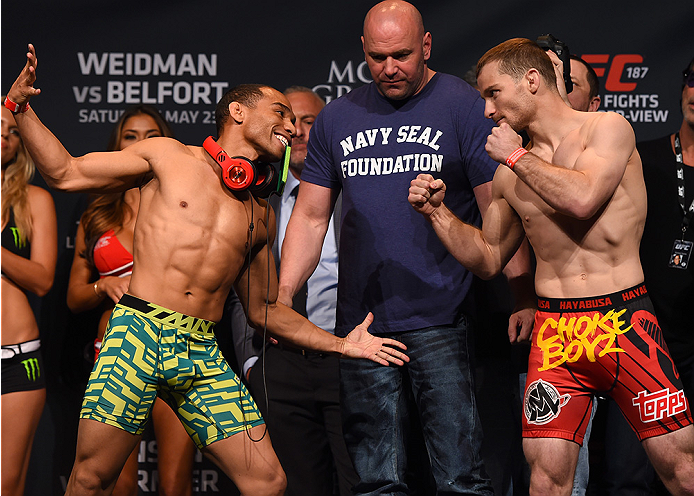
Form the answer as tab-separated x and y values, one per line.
513	158
15	108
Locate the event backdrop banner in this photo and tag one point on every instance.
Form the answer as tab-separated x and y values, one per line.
98	58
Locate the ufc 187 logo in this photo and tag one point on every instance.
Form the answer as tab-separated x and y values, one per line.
31	365
622	65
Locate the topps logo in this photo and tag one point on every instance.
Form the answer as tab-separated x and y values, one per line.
655	406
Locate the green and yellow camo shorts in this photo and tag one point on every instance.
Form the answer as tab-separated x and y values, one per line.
149	350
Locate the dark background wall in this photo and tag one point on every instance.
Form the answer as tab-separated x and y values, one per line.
96	58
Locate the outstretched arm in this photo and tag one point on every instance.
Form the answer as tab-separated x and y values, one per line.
485	252
263	309
580	189
106	171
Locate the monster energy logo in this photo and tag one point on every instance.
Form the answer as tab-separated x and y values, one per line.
18	241
32	367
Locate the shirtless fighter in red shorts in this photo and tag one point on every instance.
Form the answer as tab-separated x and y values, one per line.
580	198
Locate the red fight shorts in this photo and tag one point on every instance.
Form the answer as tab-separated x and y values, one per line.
608	346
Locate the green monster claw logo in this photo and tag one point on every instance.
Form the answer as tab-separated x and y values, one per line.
18	241
32	367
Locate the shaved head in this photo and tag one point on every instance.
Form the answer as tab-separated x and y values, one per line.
395	12
397	49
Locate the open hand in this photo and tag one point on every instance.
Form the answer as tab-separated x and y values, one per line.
23	88
361	344
426	193
559	72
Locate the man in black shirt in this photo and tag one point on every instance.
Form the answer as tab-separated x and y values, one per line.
668	168
666	246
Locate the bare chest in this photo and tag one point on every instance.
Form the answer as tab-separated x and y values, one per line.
194	209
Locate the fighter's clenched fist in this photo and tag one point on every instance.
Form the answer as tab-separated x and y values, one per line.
426	193
502	142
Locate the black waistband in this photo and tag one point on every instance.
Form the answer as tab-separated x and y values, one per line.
165	316
593	302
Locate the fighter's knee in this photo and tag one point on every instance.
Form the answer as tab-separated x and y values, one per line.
85	481
272	483
681	479
277	485
545	483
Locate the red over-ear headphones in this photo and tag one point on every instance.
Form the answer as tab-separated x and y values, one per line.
239	173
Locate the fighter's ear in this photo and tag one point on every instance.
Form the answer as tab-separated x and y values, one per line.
532	79
237	112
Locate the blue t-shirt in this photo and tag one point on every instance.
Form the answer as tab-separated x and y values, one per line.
391	260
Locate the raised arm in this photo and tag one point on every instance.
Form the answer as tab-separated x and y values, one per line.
559	72
104	171
484	252
304	238
576	189
285	324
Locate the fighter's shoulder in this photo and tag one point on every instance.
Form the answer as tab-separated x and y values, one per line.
603	125
168	144
155	147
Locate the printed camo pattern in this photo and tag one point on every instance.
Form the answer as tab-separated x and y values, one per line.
141	357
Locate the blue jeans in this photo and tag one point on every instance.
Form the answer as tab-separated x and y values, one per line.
582	473
375	420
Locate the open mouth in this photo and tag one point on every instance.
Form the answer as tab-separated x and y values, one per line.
282	139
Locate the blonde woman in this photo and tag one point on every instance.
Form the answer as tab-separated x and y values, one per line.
29	254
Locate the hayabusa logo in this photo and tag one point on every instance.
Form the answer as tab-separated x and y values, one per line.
543	402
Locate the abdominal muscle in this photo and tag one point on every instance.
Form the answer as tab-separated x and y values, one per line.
189	266
585	262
